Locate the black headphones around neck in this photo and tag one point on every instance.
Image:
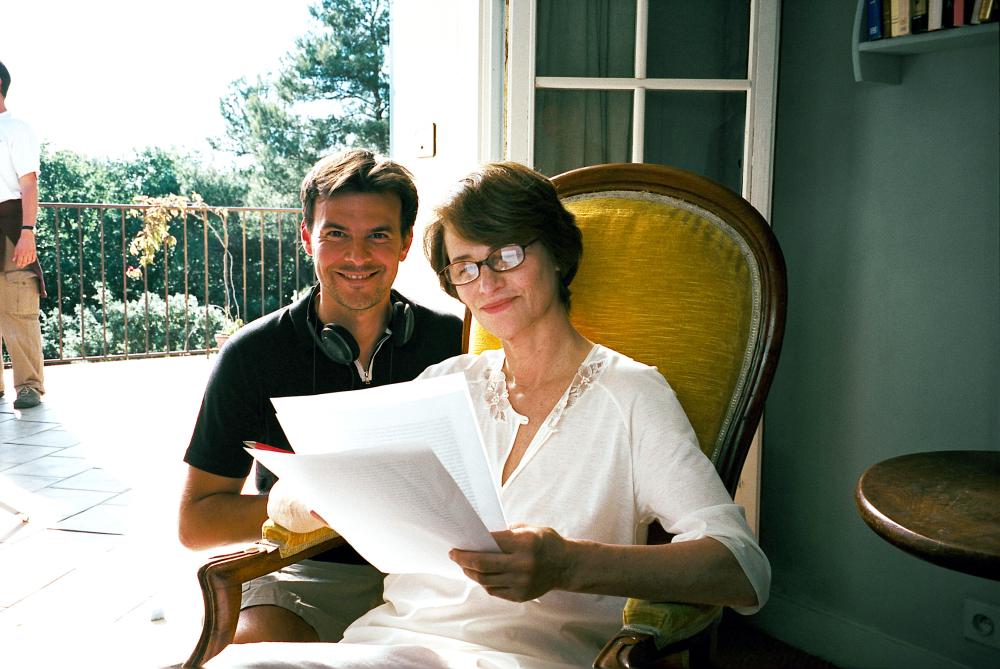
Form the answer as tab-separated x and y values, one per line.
338	344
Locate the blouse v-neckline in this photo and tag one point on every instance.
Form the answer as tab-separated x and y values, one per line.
501	411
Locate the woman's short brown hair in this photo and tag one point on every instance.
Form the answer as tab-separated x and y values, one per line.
507	203
359	171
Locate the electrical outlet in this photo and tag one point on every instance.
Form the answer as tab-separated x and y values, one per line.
981	622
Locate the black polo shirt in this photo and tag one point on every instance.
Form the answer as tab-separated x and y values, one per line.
277	356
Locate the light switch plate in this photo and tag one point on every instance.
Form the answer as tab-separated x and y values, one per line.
425	140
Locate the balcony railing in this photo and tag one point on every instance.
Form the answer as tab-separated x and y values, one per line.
223	265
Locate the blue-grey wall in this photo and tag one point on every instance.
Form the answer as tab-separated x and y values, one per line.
886	206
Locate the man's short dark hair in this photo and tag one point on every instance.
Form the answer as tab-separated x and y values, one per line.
507	203
4	79
359	171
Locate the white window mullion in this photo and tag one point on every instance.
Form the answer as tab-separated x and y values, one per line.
491	80
627	83
758	145
641	37
522	19
638	125
639	96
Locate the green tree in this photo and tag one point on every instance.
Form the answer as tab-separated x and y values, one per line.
70	177
79	247
339	68
84	247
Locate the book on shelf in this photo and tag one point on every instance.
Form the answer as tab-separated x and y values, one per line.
918	16
983	11
988	11
972	17
958	12
900	18
886	18
874	19
948	13
935	15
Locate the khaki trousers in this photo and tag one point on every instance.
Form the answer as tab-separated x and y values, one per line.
20	328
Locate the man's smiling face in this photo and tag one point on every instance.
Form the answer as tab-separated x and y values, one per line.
356	246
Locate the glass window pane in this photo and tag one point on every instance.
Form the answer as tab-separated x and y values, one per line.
585	38
708	39
577	128
697	131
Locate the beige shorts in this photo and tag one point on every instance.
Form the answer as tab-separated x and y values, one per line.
329	596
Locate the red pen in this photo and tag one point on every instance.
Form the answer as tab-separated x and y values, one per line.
258	446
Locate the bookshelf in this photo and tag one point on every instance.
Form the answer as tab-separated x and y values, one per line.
879	60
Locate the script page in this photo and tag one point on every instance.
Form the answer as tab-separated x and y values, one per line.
436	413
396	505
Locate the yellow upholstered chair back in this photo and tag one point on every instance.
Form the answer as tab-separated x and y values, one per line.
680	273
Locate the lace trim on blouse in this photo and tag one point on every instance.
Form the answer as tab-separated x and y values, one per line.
496	396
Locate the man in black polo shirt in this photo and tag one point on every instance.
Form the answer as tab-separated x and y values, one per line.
352	330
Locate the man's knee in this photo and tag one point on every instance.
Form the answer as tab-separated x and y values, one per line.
272	623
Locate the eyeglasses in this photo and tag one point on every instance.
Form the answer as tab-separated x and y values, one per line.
501	259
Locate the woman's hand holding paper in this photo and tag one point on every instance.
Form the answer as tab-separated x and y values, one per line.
534	560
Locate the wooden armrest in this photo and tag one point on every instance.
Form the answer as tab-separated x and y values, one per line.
653	631
290	543
222	578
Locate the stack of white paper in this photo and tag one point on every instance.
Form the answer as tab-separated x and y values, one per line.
399	471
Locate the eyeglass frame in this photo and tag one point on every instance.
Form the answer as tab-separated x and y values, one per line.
486	261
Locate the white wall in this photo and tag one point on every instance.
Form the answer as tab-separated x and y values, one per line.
434	61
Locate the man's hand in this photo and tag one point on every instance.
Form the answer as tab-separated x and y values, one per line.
24	251
534	560
288	511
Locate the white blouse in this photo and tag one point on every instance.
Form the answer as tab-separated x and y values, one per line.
616	453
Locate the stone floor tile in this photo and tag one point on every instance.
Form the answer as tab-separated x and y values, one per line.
14	430
56	437
27	483
101	519
77	451
72	502
45	411
92	479
43	558
127	498
51	466
19	454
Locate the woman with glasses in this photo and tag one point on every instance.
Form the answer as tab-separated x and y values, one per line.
590	447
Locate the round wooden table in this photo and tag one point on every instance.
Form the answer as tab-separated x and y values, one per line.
943	507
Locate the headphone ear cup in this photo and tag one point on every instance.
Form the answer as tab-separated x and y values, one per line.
402	323
339	344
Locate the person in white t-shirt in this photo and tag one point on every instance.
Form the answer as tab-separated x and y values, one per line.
589	447
21	283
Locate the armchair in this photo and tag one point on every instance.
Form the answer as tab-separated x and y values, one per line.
677	272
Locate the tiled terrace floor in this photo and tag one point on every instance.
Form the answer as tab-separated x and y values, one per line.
96	577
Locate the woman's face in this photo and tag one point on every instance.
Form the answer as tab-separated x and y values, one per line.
507	303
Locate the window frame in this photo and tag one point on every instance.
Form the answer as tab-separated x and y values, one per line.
521	83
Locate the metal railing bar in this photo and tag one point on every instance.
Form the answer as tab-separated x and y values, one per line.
104	302
263	268
80	307
75	338
59	282
124	283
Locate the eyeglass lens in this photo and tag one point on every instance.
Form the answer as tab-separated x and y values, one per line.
499	260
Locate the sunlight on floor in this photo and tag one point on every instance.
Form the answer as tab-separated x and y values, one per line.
96	577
